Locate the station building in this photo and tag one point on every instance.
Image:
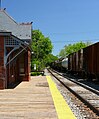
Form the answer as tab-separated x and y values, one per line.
15	51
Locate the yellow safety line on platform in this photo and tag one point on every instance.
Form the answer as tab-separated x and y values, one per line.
62	108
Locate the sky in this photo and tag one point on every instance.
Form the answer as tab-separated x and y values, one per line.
63	21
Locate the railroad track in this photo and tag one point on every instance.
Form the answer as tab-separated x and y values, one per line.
87	95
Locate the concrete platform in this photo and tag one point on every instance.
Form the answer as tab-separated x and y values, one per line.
29	100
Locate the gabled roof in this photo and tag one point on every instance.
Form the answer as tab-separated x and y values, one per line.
22	31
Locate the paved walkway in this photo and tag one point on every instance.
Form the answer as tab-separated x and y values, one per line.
29	100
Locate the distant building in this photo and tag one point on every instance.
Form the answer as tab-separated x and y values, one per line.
15	50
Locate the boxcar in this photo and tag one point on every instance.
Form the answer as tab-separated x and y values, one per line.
85	62
79	62
91	60
75	62
71	62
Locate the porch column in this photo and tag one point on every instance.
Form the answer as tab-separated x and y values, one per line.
27	65
2	68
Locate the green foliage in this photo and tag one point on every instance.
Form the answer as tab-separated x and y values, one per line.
42	47
37	63
35	73
72	48
49	59
62	53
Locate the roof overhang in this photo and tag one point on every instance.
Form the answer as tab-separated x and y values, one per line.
5	33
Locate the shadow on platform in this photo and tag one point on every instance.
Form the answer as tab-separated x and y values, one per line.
13	85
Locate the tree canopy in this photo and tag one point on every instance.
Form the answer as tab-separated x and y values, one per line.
72	48
42	48
41	45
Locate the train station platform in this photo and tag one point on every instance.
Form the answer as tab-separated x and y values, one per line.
36	99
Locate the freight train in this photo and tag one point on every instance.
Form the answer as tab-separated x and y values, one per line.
83	63
60	65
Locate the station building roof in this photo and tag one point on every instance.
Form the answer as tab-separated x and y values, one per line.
22	31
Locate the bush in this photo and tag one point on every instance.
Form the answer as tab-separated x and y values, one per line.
36	73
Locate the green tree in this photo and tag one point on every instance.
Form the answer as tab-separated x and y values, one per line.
72	48
42	47
50	58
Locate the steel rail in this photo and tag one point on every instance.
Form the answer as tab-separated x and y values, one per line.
94	109
85	86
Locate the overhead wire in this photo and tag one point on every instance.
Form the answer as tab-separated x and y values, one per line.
63	41
71	33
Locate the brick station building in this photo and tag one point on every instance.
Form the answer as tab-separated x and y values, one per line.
15	50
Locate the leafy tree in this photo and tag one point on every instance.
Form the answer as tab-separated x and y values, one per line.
62	52
50	58
42	47
72	48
